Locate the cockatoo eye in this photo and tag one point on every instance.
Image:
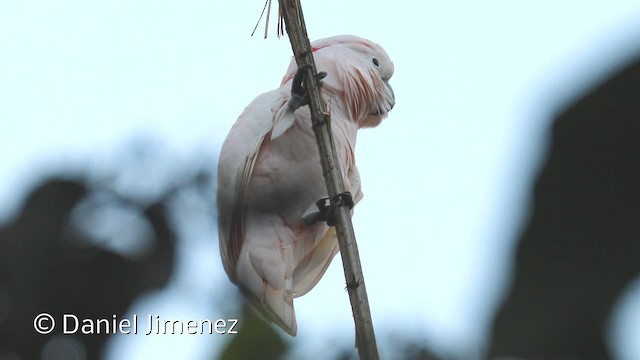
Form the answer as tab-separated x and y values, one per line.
376	62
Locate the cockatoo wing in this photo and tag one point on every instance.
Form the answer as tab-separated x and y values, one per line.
247	240
237	158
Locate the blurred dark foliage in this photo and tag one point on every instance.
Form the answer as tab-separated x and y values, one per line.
255	340
52	260
258	340
42	272
90	242
581	247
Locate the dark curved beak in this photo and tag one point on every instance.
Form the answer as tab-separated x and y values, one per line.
392	99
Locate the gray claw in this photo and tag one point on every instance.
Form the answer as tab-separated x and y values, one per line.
299	92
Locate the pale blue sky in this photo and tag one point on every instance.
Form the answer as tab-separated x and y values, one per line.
446	176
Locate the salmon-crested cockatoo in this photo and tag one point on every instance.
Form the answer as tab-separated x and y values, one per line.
273	241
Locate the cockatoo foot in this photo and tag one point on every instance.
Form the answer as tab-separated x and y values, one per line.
299	91
327	208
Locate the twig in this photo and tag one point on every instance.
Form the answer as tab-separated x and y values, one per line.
321	121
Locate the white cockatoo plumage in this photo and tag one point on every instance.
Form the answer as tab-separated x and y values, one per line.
269	175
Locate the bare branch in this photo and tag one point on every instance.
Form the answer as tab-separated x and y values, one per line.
321	121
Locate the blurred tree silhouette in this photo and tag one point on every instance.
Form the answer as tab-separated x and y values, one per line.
581	247
82	245
43	270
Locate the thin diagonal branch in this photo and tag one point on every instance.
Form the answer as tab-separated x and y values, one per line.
321	121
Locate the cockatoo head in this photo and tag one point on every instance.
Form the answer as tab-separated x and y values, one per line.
358	70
